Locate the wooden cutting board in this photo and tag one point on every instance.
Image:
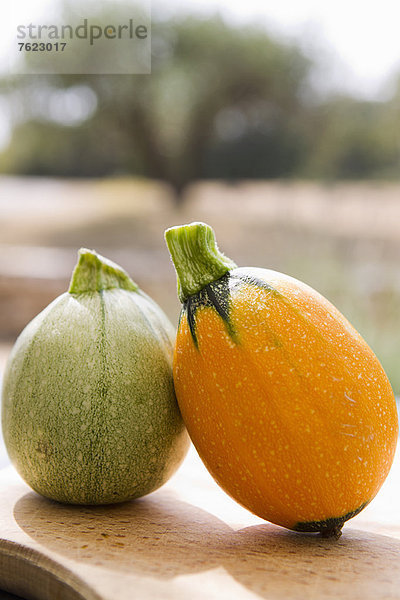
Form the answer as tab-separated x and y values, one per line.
189	540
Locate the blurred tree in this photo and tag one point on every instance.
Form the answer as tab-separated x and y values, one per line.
221	102
354	140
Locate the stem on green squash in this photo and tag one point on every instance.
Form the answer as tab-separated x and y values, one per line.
196	257
94	273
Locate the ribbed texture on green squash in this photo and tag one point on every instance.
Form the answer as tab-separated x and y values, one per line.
89	410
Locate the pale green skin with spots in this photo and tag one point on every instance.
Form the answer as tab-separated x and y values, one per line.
89	410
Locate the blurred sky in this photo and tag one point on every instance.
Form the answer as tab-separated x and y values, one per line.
361	37
357	42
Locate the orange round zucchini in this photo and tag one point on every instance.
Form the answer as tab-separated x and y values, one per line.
287	405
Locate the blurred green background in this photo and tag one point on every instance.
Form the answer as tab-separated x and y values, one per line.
231	128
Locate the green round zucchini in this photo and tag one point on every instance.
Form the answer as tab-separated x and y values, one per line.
89	412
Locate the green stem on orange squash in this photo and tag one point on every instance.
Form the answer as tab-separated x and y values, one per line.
196	257
94	273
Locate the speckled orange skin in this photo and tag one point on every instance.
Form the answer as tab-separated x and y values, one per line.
296	419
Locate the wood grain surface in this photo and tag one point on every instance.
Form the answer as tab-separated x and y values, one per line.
189	540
